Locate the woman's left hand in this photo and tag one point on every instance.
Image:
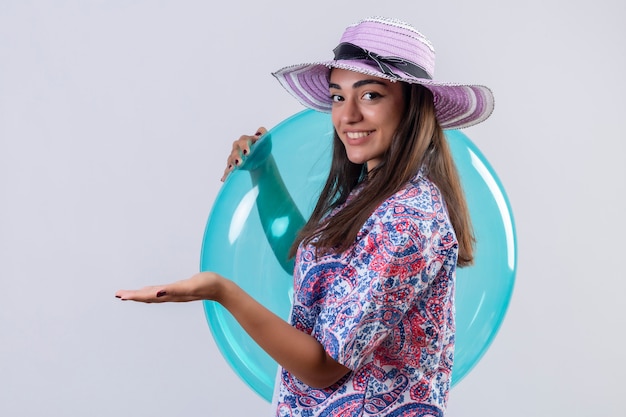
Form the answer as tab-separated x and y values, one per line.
202	286
242	148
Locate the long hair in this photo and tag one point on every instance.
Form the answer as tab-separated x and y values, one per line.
418	140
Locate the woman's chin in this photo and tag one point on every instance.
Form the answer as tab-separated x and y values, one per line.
357	159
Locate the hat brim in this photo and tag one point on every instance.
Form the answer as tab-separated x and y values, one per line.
457	106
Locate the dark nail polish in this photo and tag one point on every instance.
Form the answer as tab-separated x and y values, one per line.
161	293
257	134
245	152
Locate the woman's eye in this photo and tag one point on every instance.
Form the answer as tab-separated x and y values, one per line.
371	95
336	98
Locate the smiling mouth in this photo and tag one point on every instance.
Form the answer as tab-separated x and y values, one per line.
358	135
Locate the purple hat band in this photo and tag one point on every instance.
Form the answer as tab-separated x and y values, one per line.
393	50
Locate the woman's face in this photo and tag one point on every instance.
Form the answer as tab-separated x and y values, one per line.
366	112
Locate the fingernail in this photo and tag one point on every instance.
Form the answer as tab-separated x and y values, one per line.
245	152
161	293
236	161
117	296
257	134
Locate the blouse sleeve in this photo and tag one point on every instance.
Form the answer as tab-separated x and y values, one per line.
387	272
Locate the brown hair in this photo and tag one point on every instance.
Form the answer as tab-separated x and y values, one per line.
418	140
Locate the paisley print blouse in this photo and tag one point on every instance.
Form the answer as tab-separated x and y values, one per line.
385	309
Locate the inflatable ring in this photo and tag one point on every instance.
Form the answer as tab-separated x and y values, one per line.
236	244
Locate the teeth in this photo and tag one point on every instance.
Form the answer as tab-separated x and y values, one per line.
357	135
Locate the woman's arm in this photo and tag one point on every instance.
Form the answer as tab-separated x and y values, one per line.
296	351
279	215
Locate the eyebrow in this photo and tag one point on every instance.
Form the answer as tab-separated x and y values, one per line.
358	84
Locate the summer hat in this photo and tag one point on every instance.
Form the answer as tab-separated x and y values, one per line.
394	50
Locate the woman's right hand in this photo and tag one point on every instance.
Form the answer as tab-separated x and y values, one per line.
201	286
241	149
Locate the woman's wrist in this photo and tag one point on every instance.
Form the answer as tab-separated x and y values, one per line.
224	290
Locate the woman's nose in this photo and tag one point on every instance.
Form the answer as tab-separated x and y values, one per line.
350	112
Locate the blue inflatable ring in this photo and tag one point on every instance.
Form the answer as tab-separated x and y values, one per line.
235	245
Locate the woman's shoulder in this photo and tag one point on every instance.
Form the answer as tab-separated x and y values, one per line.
416	209
417	205
419	194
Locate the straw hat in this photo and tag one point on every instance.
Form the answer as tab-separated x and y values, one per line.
394	50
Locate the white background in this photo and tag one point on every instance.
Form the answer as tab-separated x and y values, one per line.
115	121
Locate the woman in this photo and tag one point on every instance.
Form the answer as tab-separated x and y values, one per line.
372	324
